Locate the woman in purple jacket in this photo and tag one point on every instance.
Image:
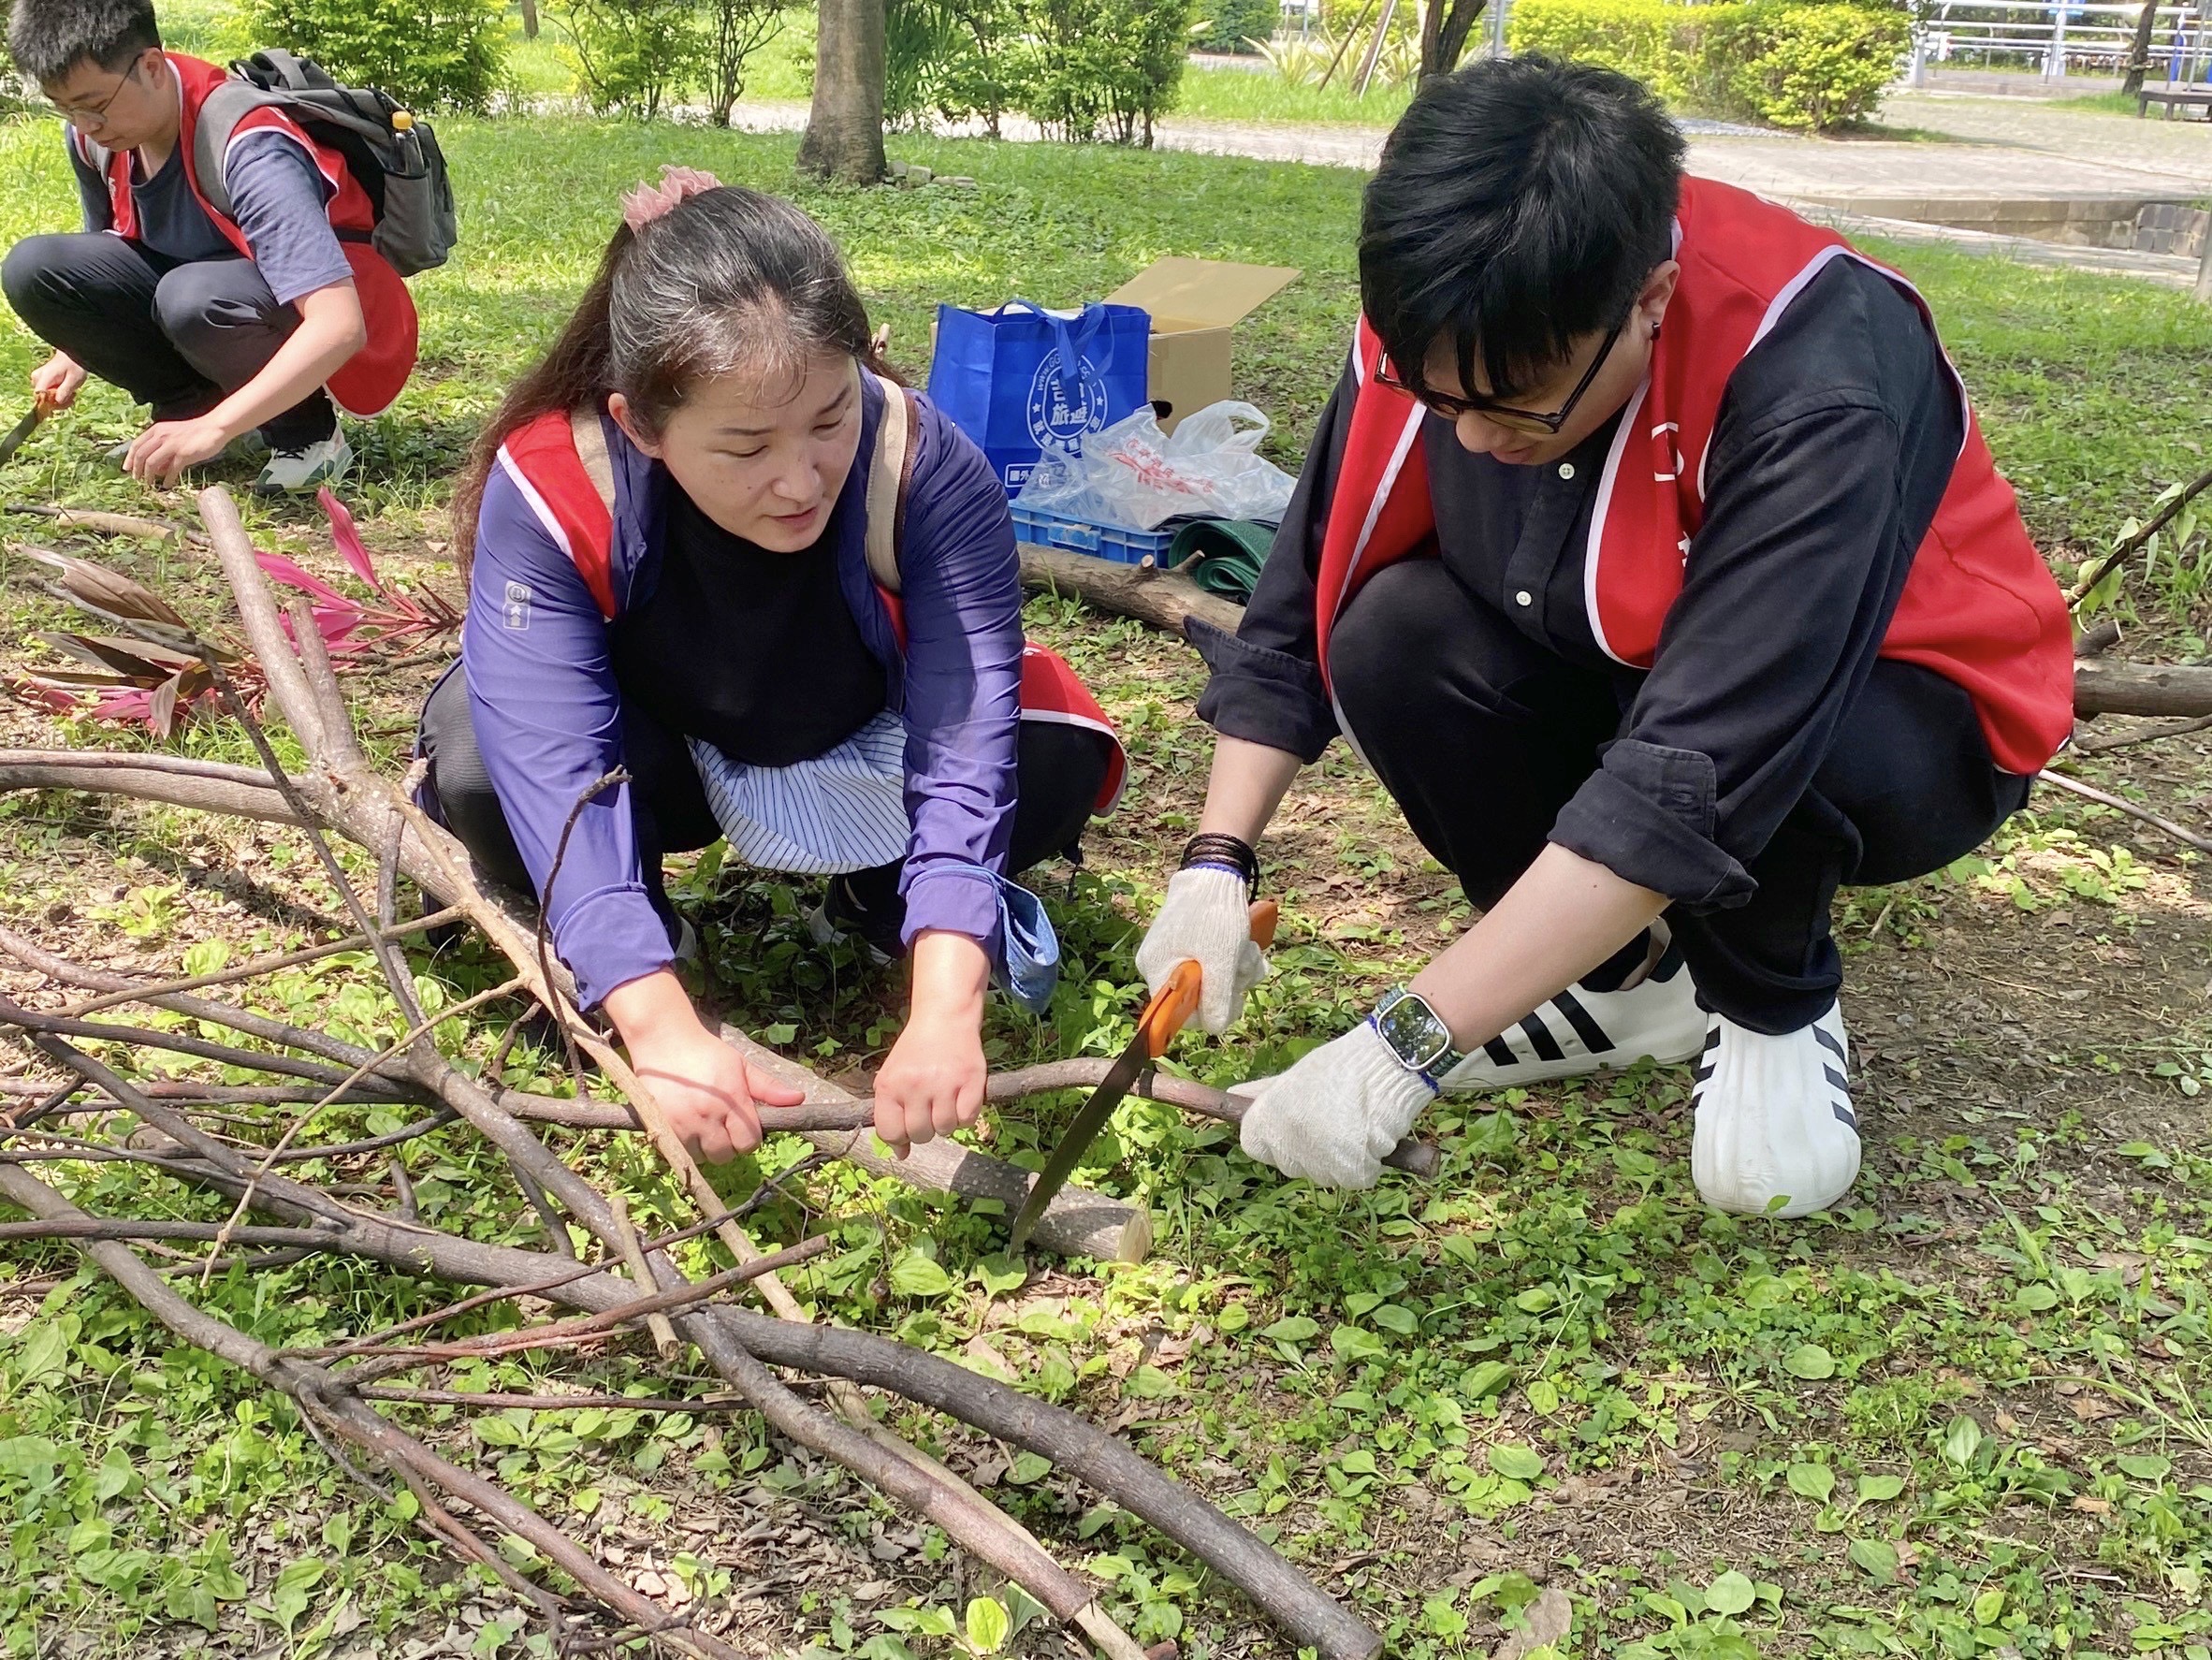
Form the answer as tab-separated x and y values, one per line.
672	574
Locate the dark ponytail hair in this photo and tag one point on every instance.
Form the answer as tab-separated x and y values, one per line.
727	280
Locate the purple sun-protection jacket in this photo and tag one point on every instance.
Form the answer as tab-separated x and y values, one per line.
547	711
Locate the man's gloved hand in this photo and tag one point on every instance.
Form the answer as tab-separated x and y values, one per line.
1206	919
1335	1117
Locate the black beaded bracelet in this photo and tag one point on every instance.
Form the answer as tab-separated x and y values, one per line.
1213	848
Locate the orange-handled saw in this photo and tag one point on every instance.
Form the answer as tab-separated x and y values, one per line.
13	440
1166	1014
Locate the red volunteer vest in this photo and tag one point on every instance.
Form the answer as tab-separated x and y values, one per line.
541	455
368	382
1980	607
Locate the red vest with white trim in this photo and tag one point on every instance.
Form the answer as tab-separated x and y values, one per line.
367	382
1979	608
576	509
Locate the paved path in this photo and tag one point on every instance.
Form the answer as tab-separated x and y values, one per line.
2122	144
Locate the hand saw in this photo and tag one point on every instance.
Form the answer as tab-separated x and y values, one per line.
1171	1006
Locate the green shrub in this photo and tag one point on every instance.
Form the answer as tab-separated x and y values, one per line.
1645	39
1108	67
1820	66
989	64
427	54
1238	25
633	55
1817	64
919	36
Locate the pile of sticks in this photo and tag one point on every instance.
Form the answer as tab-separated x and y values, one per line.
804	1381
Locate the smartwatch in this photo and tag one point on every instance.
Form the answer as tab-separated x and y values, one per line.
1417	1035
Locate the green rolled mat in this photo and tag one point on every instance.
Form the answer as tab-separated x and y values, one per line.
1224	554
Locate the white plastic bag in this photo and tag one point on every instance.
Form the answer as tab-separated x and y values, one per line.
1134	476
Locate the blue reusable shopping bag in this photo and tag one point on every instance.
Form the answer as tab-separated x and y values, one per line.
1005	377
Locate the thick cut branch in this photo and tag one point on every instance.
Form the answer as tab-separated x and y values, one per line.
238	791
1416	1157
1164	599
1078	1224
2101	687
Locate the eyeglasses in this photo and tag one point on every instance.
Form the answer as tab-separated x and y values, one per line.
98	112
1503	414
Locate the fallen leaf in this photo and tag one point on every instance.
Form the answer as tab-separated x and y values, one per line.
2092	1507
2093	1408
1546	1622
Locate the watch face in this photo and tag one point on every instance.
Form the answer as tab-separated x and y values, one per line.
1411	1028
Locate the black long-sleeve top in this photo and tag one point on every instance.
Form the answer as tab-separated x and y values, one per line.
1833	449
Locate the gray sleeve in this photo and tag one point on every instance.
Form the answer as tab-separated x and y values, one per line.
92	190
278	198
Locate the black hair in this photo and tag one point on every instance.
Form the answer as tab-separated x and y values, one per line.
50	39
727	280
1520	203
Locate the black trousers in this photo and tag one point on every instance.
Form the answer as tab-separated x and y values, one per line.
1059	772
178	336
1481	734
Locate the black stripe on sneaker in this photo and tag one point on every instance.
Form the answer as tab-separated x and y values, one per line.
1843	1114
1712	1040
1539	1036
1501	1052
1705	1071
1586	1027
1838	1079
1829	1041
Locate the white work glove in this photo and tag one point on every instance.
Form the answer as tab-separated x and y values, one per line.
1335	1117
1207	918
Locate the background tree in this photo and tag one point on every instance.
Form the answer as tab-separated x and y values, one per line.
2139	52
844	138
1444	27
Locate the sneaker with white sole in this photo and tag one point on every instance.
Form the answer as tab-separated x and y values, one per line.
1583	1031
1775	1134
300	472
841	916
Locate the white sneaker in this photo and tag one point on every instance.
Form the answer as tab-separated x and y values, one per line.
300	472
1775	1134
1582	1031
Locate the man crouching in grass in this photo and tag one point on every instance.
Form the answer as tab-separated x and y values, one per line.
1650	554
244	315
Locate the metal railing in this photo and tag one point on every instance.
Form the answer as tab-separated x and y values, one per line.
2049	39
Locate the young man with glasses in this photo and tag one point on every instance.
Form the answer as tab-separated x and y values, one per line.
1649	553
238	326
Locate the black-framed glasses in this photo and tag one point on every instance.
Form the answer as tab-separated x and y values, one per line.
1531	421
98	112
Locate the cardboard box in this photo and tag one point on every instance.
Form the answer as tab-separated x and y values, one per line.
1194	305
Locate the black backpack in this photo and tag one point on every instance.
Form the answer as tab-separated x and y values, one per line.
391	152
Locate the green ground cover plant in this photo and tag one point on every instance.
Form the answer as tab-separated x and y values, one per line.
1965	1416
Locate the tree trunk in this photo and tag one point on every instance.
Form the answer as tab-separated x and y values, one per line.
529	20
2139	54
1446	24
845	128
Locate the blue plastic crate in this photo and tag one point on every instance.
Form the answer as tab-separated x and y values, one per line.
1117	543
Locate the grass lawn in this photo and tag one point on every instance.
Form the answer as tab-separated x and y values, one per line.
1262	96
1963	1415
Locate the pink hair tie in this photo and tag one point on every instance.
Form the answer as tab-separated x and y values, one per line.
648	202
